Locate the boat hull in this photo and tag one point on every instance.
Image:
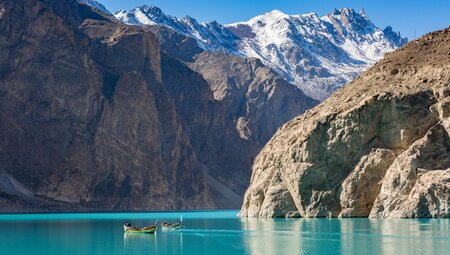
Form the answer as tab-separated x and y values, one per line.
171	227
149	230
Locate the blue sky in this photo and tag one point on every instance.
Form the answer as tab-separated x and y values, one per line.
410	17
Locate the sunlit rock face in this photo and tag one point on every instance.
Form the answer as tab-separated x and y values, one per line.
379	147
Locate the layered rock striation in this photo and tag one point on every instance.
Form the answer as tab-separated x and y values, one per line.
379	148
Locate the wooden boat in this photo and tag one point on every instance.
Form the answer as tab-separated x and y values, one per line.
170	226
128	228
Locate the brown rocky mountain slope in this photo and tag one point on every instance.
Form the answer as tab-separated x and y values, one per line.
256	98
95	116
85	117
104	116
380	147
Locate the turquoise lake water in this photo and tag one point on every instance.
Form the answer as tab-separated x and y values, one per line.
219	232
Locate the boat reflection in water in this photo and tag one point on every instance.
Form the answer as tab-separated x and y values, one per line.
142	242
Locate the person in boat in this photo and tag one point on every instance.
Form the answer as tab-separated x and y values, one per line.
128	228
167	225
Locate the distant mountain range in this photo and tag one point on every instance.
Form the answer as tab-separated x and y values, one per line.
319	55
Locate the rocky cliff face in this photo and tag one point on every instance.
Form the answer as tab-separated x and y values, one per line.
94	115
102	115
254	97
257	98
379	147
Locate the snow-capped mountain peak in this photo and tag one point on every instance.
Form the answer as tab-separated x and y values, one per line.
189	20
275	12
319	55
209	35
395	37
363	13
347	20
96	5
264	19
145	15
272	15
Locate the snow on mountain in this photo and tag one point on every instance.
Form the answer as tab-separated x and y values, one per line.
210	36
96	5
317	54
